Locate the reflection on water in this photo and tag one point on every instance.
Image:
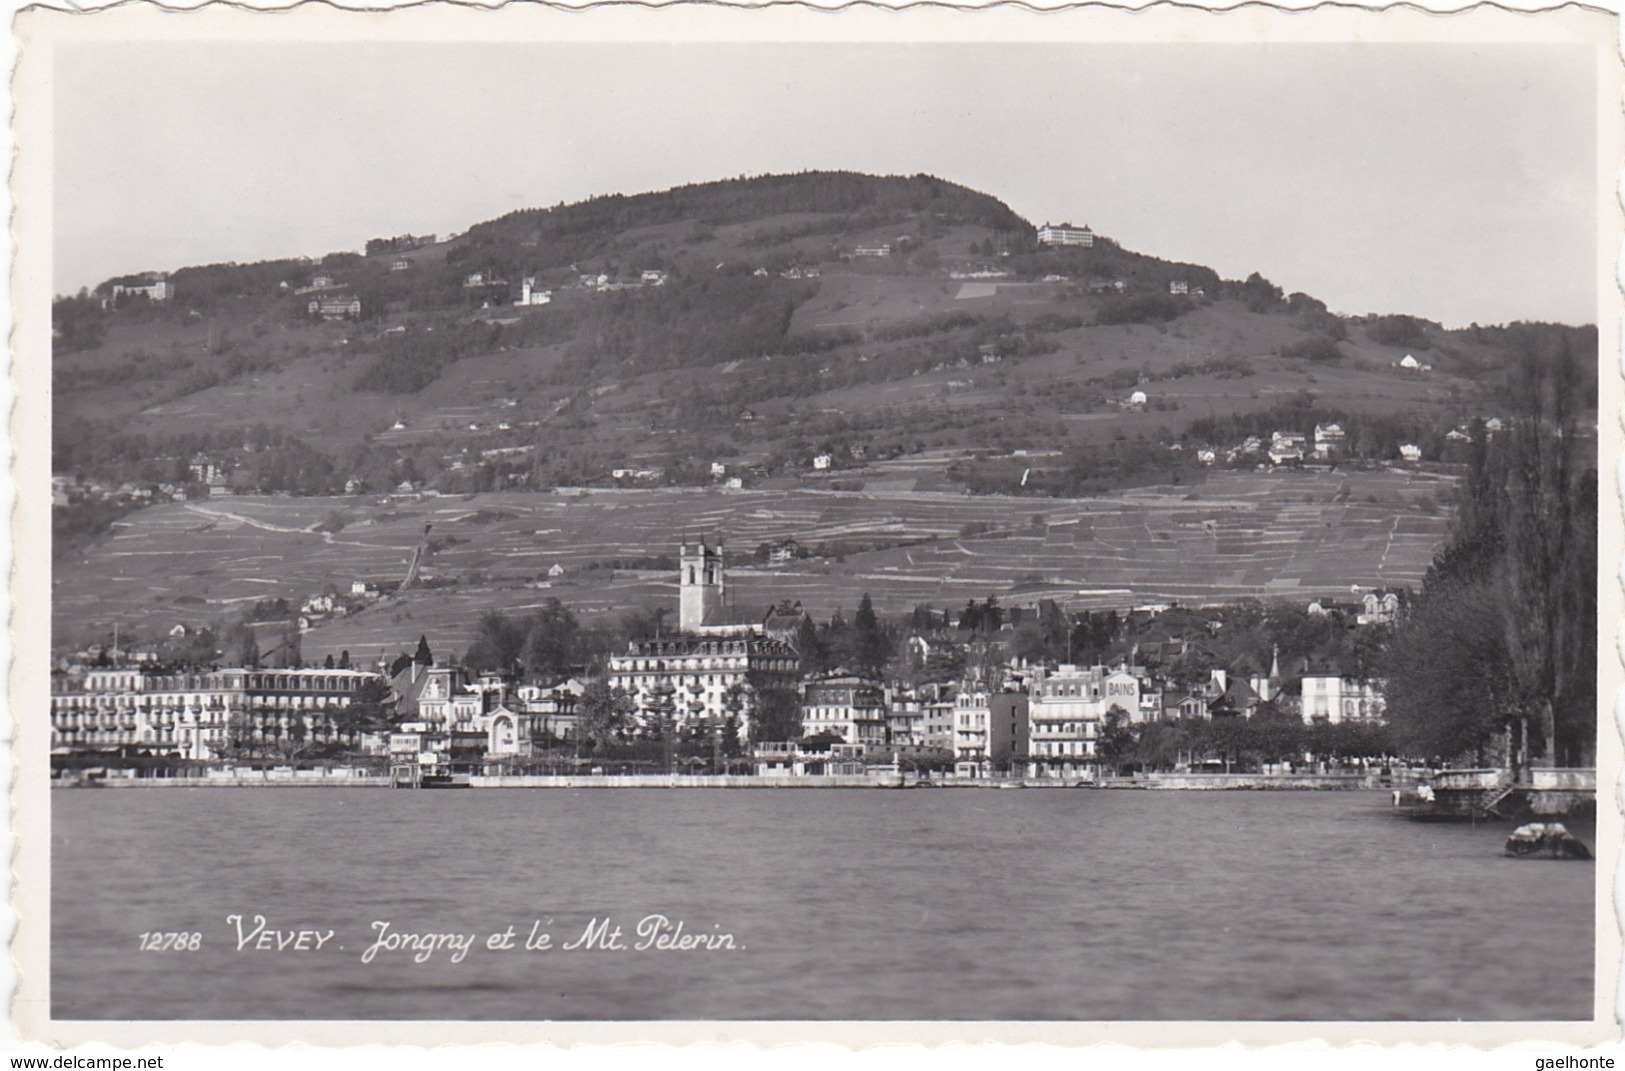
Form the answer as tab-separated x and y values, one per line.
858	904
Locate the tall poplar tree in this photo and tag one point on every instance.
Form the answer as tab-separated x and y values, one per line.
1504	634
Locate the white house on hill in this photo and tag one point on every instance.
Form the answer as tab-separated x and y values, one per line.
530	294
1066	234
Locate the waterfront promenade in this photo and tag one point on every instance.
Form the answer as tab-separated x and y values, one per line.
361	779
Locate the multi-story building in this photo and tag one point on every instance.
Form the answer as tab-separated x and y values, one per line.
452	700
1338	699
1066	234
1120	688
335	307
719	667
1068	710
937	727
1378	609
155	290
1287	446
519	727
845	705
470	718
688	679
531	294
1066	714
1330	440
199	716
905	719
990	731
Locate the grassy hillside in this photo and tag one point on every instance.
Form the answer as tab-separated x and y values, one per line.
769	340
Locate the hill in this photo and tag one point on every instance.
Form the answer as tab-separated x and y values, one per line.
829	333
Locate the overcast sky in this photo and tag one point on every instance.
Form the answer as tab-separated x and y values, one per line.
1454	182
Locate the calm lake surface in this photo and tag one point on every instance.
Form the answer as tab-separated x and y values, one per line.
842	904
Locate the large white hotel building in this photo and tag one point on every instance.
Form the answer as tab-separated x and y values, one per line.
193	714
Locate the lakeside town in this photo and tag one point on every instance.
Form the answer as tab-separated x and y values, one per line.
1204	642
735	693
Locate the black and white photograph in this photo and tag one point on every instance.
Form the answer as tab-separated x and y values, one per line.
727	517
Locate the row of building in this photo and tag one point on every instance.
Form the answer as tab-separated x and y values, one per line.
1038	722
716	672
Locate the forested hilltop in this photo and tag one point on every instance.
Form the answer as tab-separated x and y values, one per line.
782	330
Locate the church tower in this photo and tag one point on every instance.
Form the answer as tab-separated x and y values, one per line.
700	582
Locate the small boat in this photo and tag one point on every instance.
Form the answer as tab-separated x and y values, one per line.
1546	838
443	781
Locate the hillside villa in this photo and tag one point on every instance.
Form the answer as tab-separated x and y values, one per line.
1066	234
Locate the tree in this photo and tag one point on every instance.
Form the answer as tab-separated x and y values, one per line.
1116	741
240	740
992	614
550	640
777	714
1275	732
815	655
1260	294
423	657
735	701
1548	576
1029	641
658	711
1448	683
871	648
601	712
970	618
1511	600
370	710
295	740
496	647
643	624
1161	745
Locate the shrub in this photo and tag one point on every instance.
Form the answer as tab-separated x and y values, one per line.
1398	331
1313	348
1139	309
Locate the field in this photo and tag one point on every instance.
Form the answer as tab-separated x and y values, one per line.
1290	535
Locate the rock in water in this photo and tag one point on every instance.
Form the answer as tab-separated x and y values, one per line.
1549	837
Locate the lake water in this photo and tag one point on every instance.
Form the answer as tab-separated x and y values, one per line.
841	904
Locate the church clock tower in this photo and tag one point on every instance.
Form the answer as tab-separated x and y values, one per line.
700	582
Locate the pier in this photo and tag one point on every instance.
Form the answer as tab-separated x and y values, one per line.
1498	793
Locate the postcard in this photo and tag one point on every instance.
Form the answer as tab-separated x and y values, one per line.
706	523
